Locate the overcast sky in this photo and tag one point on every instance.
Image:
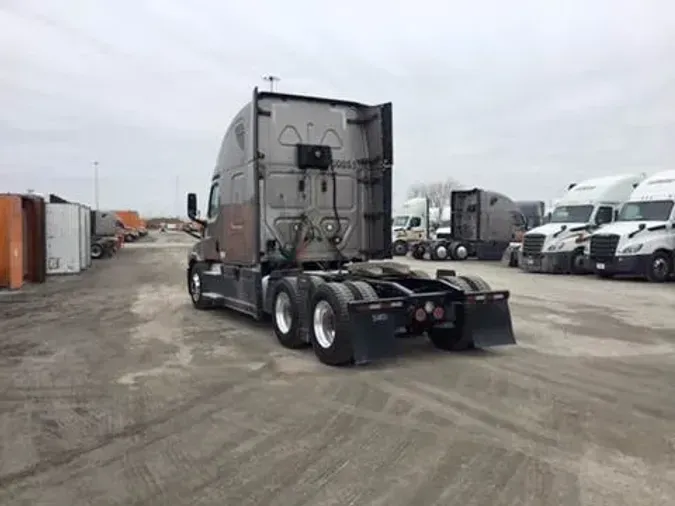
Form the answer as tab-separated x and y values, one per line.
521	97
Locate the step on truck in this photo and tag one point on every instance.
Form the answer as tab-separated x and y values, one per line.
561	245
641	242
298	230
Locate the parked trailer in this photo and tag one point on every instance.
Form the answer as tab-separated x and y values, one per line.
298	229
561	246
641	242
64	239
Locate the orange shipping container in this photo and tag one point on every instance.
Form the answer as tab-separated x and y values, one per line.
129	218
11	242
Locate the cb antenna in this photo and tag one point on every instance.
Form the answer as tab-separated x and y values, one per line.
271	79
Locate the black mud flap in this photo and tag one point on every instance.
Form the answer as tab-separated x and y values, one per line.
487	319
373	328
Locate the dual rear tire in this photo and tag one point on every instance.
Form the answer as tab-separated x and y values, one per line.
326	315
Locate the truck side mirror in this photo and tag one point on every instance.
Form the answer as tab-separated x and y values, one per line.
192	205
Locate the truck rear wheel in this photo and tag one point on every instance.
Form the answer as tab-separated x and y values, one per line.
400	248
418	252
450	339
458	251
477	284
459	283
440	251
285	314
96	251
329	324
361	290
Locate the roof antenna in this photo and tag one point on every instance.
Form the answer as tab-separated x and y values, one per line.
271	79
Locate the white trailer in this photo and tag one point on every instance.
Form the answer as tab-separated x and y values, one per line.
561	245
642	240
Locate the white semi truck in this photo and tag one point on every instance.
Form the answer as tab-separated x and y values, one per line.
560	246
410	223
414	221
641	241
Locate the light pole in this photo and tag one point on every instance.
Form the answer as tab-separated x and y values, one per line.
95	163
271	79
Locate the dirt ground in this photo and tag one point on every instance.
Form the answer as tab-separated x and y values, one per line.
113	390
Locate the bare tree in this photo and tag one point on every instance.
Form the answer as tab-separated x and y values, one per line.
437	192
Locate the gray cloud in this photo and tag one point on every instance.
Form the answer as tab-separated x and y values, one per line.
523	97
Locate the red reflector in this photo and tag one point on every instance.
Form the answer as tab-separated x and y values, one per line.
438	313
420	315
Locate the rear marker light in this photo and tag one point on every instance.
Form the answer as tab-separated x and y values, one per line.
420	315
438	313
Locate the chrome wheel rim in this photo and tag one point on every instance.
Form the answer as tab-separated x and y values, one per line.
461	252
660	267
324	324
195	286
441	252
283	315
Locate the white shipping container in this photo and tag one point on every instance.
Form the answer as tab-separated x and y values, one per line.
64	238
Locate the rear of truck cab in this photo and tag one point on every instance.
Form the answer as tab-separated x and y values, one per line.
299	229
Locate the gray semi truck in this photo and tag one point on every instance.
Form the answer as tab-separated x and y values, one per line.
298	230
482	225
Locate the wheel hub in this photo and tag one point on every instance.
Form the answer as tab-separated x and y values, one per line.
323	322
283	316
441	252
195	286
660	267
461	252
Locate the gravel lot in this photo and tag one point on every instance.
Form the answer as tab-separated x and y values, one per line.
113	390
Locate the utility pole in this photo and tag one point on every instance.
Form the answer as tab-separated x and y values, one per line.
95	163
271	79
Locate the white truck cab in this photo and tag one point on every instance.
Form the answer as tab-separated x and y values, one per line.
642	239
410	223
561	244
